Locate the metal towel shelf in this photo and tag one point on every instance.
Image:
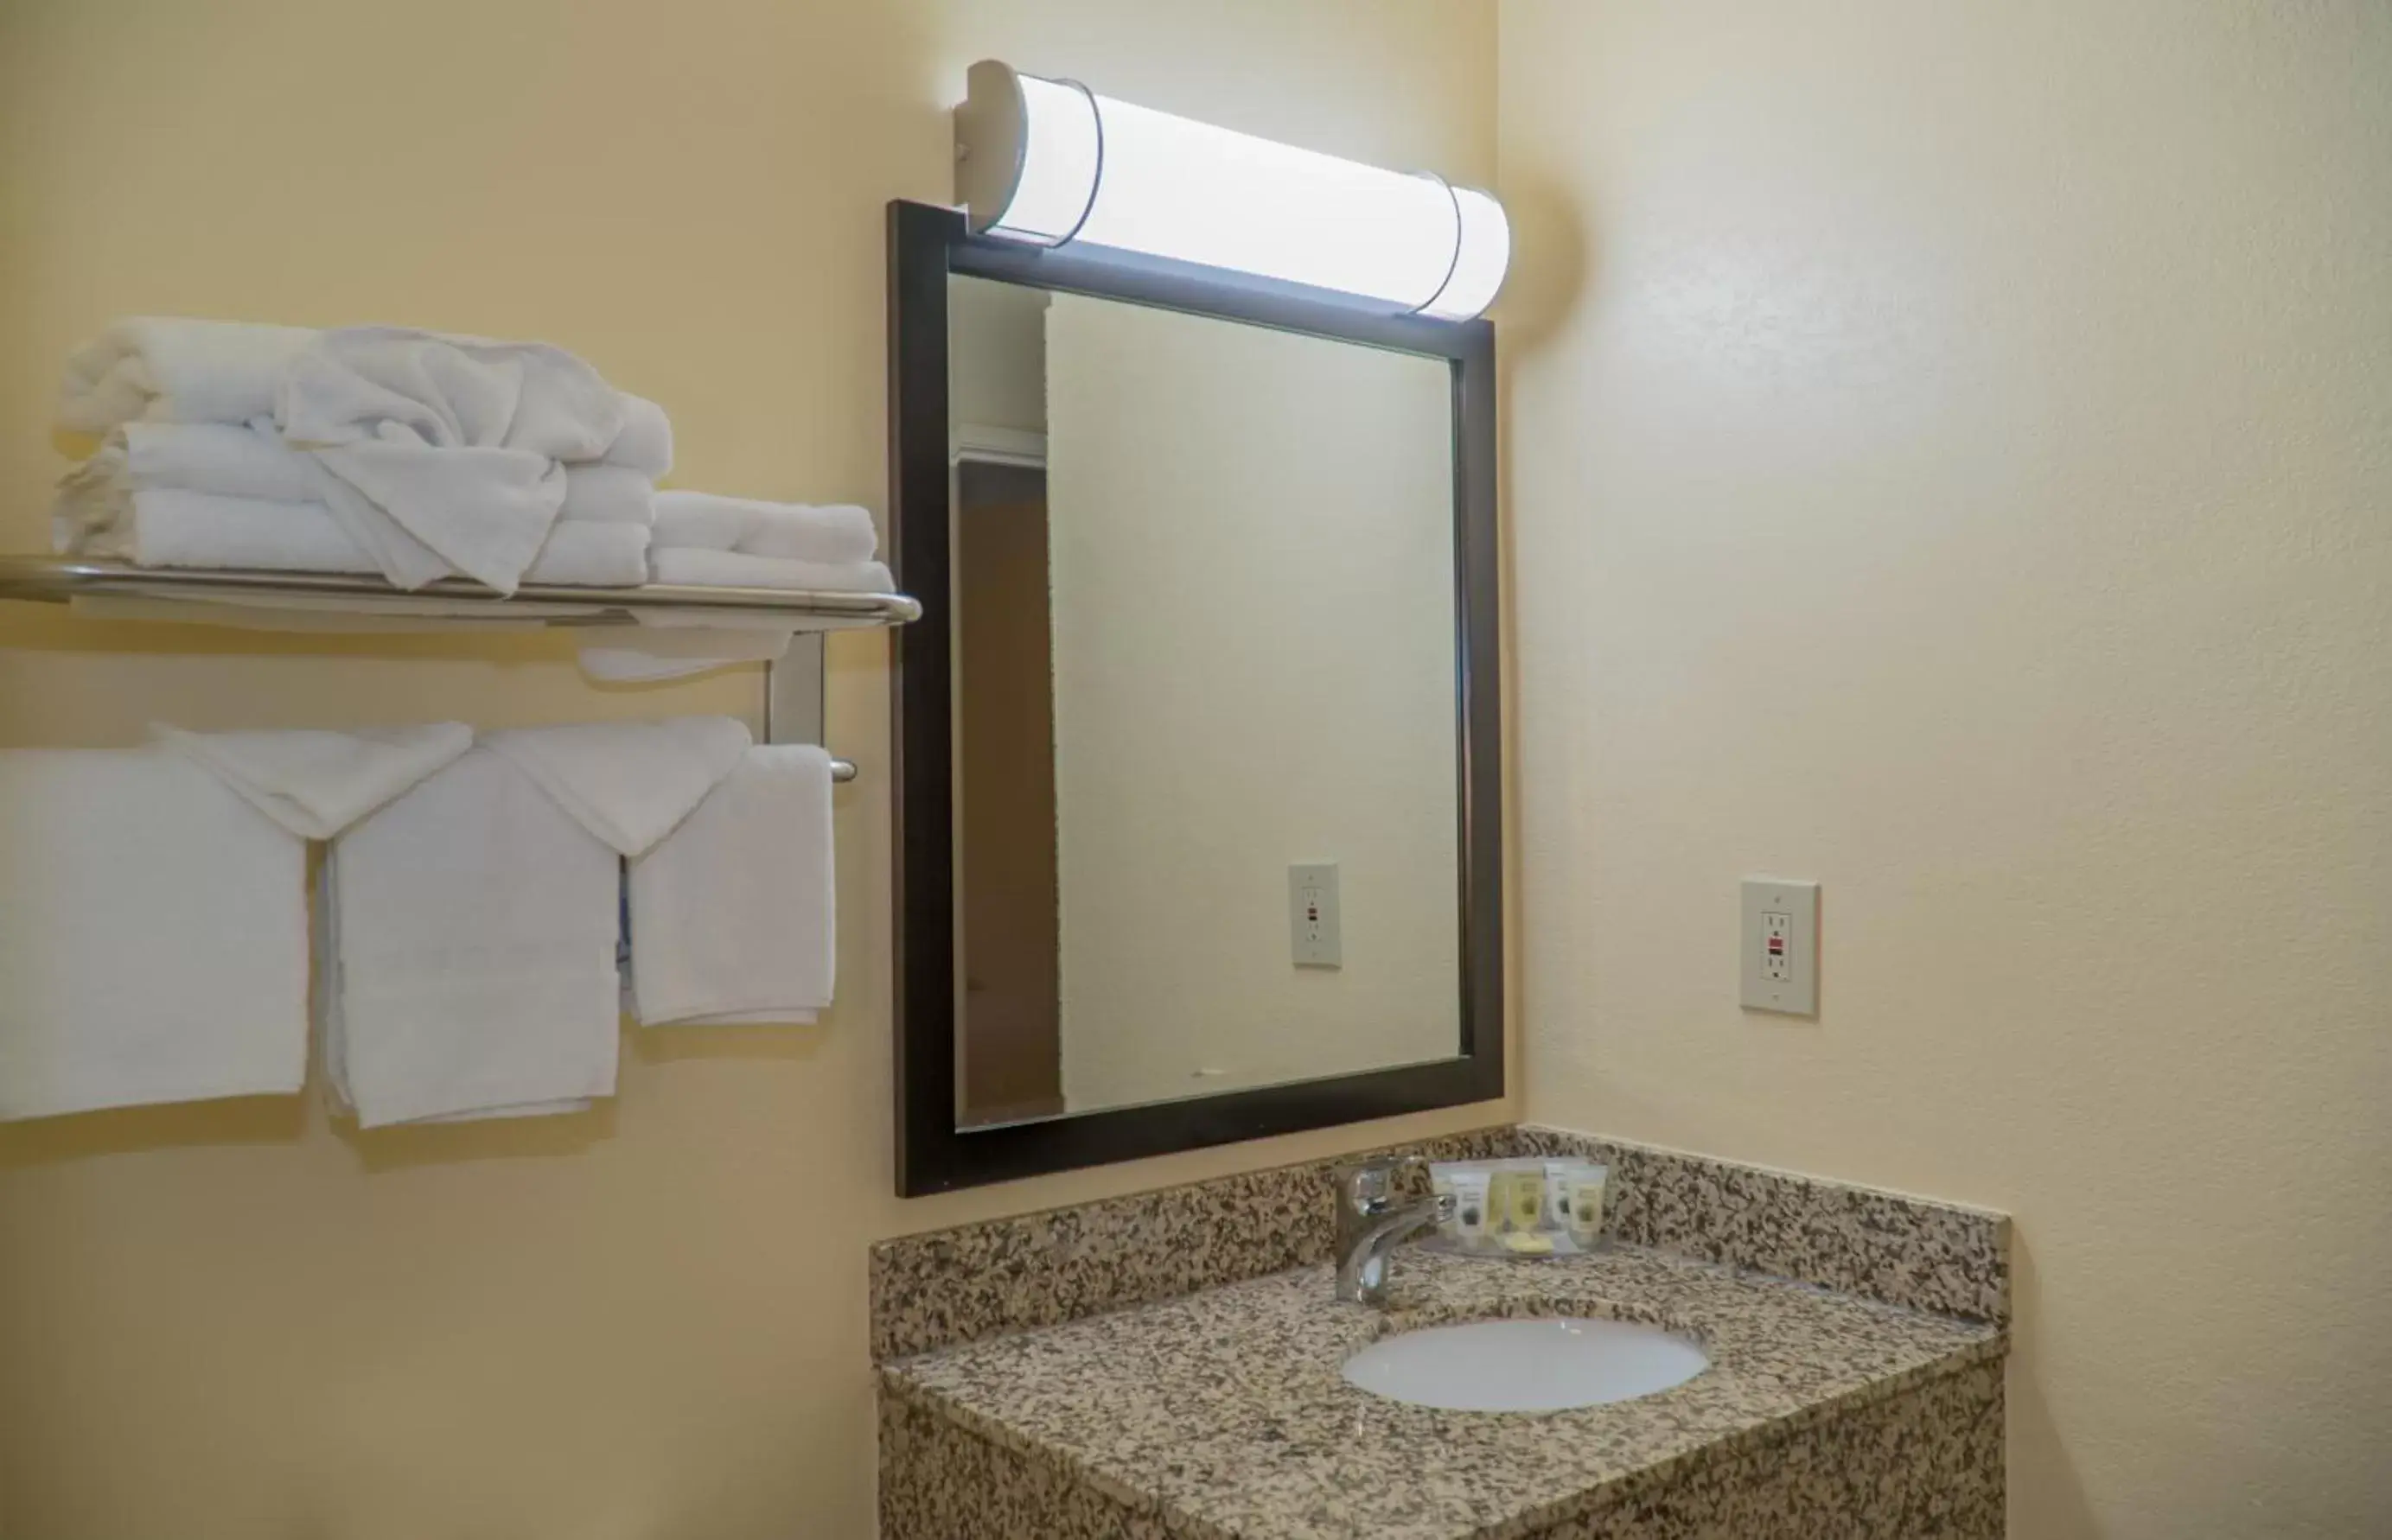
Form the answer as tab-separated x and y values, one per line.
58	581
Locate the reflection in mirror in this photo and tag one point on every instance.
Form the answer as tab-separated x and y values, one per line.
1205	725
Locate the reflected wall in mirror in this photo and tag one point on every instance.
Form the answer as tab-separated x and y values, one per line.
1207	643
1197	739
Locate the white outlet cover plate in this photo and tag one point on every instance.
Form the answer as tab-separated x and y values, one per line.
1775	904
1315	924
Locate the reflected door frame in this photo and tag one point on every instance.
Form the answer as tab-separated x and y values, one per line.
927	245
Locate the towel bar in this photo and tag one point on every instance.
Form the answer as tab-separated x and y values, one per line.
56	580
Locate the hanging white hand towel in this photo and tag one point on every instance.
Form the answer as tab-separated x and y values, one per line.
154	936
168	369
473	938
455	440
626	783
734	913
316	783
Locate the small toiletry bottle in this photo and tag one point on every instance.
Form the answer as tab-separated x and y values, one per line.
1524	1208
1558	1170
1586	1189
1471	1192
1440	1182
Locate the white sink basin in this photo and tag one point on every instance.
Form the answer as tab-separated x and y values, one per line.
1545	1364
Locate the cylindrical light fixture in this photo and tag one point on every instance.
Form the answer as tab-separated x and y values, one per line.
1049	161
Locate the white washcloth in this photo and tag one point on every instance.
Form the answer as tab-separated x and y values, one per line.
798	532
607	494
456	441
728	569
660	654
317	784
167	369
628	783
645	441
154	936
474	928
734	913
165	527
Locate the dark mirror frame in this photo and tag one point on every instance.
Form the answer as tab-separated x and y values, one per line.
926	245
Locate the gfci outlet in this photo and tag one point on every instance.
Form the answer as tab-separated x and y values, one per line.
1314	937
1780	964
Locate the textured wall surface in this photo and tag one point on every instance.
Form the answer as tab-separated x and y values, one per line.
233	1322
1951	459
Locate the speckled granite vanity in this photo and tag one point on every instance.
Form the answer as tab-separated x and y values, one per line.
1168	1366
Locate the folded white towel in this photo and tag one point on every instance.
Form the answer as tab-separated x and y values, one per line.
474	930
154	936
728	569
250	460
626	783
645	441
227	459
165	527
169	528
593	556
317	784
607	494
456	441
798	532
167	369
733	913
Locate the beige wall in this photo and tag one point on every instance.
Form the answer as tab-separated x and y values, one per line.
1950	460
996	355
230	1322
1253	559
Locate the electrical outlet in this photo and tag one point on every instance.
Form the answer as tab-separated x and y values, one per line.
1779	968
1313	934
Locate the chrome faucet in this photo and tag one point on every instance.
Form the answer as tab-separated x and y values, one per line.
1371	1221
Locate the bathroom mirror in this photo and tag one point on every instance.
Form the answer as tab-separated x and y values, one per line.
1197	740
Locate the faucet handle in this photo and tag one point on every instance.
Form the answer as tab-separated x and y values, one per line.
1364	1184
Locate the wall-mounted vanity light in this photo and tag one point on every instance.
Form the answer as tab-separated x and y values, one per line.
1048	161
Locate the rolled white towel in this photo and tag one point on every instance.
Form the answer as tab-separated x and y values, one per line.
646	440
168	527
160	369
798	532
596	492
729	569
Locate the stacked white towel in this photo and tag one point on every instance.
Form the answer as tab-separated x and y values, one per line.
706	540
154	936
367	449
740	542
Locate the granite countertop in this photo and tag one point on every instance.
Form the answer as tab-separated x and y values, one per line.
1223	1414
